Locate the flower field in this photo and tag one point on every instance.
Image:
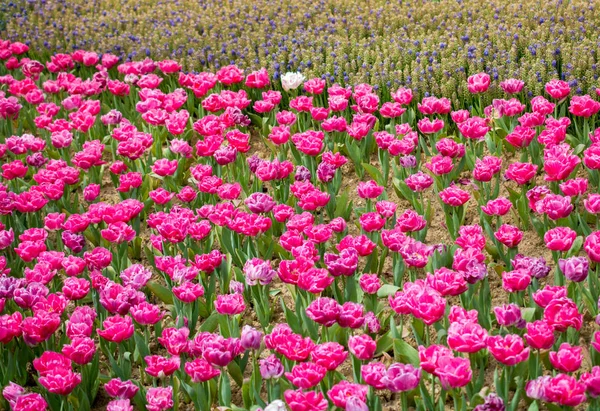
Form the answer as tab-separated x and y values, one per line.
251	239
429	46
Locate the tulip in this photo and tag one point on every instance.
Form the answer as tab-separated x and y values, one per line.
466	337
342	391
299	400
567	358
60	381
271	367
454	372
159	398
565	390
591	382
574	268
116	328
32	401
478	83
562	313
560	238
306	375
401	377
508	350
121	389
362	346
540	335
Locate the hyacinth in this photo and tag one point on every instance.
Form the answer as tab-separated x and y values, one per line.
345	44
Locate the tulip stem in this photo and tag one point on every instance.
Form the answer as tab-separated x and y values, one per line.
507	379
433	388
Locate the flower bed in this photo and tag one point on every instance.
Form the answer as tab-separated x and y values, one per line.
428	46
173	240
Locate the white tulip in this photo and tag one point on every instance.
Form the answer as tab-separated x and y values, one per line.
276	405
291	81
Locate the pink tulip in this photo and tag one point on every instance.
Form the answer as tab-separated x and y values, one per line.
560	238
454	372
562	313
512	86
271	367
466	337
478	83
401	377
116	388
454	196
474	128
591	381
342	391
509	350
116	328
306	375
362	346
567	358
300	400
565	390
540	335
557	89
509	235
516	280
591	246
159	398
329	355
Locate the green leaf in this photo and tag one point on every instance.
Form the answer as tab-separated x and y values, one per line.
552	407
341	202
528	313
374	173
384	344
226	242
246	393
440	334
579	149
270	144
236	373
493	250
156	176
513	195
188	389
141	345
429	213
225	390
538	226
403	189
291	318
211	323
575	247
406	352
161	292
393	329
584	226
242	257
386	290
353	152
256	120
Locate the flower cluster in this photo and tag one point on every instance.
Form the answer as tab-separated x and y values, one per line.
431	47
175	238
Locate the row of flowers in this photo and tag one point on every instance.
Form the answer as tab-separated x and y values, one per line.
176	238
430	47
